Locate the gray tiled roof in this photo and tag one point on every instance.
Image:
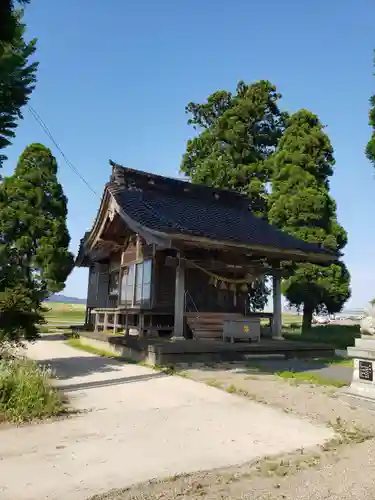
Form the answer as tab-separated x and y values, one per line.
169	206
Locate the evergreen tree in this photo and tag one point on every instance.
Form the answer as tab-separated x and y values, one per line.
34	256
8	19
300	204
17	81
236	134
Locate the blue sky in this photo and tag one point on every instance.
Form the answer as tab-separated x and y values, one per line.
115	77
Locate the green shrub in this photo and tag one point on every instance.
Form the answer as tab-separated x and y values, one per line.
25	392
21	313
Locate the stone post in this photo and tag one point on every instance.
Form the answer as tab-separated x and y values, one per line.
362	387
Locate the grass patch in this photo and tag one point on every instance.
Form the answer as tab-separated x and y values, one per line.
214	383
44	329
351	434
110	333
311	378
77	344
167	369
337	361
232	389
262	367
339	336
26	393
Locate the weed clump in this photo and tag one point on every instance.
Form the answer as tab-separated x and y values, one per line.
25	392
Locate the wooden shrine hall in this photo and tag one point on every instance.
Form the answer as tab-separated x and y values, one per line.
172	259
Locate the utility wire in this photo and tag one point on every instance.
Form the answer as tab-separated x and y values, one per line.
43	125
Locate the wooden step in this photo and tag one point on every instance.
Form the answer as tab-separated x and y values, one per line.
209	325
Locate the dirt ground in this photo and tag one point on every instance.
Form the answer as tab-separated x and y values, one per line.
130	423
343	469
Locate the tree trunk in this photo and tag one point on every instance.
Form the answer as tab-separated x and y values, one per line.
307	317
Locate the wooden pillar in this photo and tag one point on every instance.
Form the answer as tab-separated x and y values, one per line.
89	296
277	319
115	320
179	300
87	315
126	326
105	322
141	324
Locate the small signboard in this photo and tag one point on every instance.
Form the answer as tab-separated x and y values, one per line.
365	370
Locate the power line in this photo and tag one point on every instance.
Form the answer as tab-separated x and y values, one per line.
43	125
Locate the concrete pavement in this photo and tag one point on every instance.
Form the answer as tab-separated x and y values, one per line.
138	424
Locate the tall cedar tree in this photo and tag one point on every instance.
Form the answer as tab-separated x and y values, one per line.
34	256
300	204
17	81
237	133
8	19
370	148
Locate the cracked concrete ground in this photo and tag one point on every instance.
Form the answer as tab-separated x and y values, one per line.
138	424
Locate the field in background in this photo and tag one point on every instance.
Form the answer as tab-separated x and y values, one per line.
290	318
64	314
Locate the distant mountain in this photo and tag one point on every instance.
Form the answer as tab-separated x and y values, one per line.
66	300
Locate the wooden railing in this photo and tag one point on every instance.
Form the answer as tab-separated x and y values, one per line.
108	319
125	320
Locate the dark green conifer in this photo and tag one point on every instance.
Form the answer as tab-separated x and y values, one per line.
301	205
34	240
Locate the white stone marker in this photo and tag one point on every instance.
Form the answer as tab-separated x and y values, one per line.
362	387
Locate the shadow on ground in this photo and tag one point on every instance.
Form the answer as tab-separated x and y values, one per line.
321	368
111	382
81	366
65	369
52	336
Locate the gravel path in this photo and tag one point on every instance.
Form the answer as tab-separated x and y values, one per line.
348	477
137	424
341	471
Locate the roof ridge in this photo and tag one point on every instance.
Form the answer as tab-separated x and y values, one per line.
150	181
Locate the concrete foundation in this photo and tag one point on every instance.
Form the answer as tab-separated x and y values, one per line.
160	352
